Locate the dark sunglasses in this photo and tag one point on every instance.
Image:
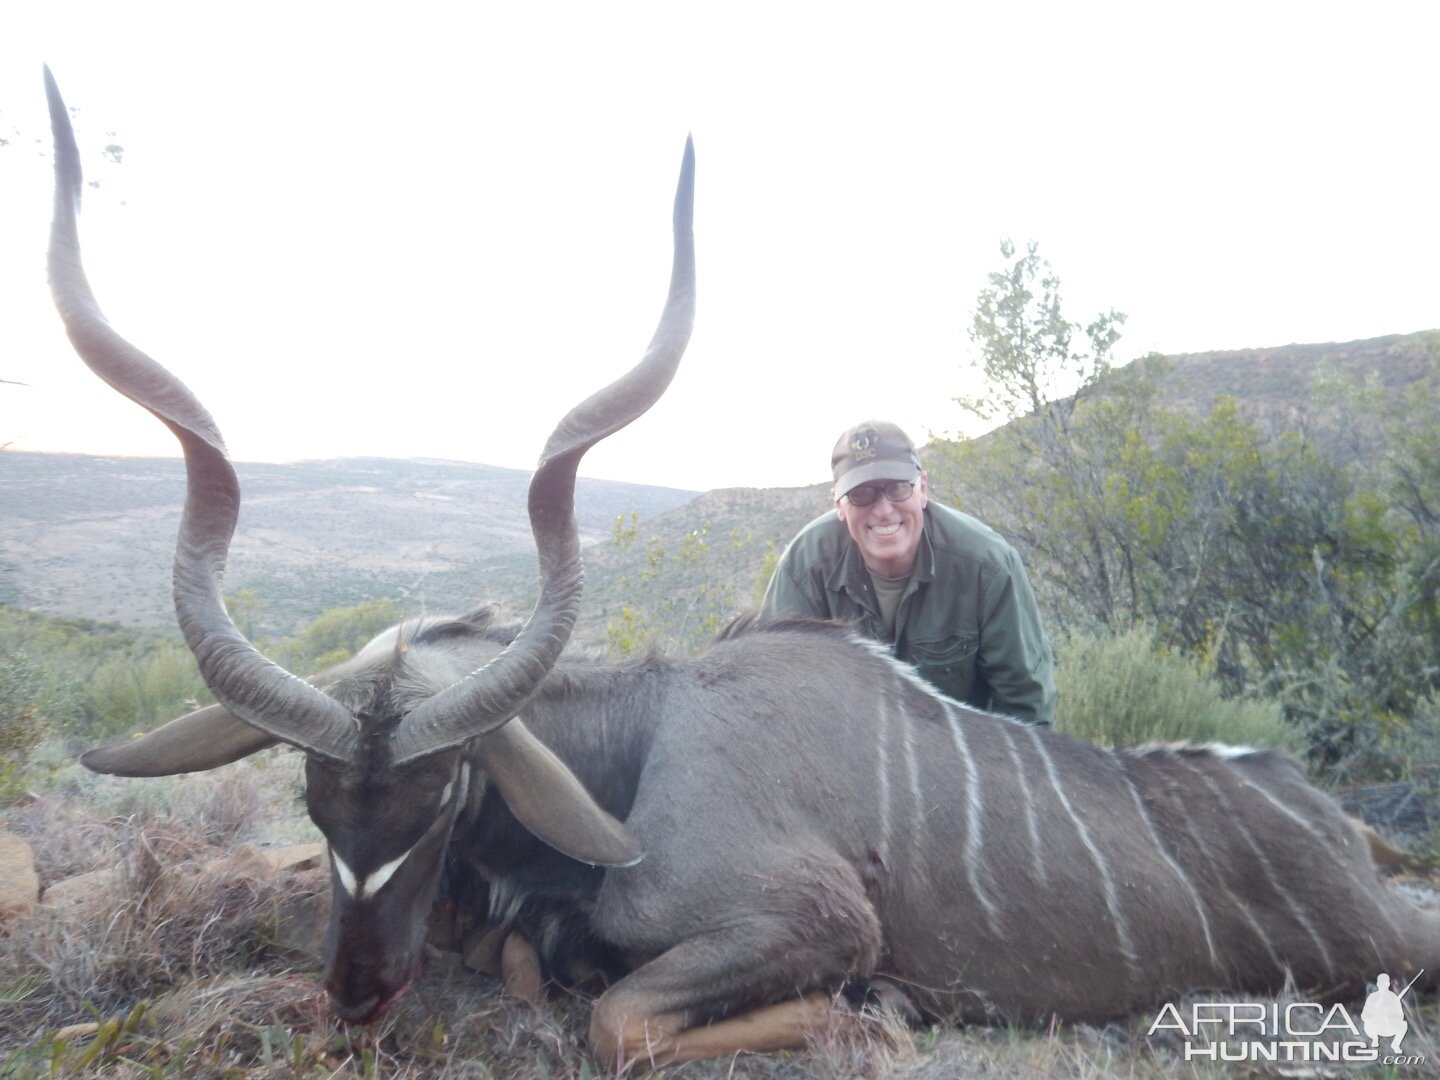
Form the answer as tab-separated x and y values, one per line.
897	491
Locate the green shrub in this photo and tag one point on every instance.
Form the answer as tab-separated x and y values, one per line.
337	635
148	686
22	722
1123	690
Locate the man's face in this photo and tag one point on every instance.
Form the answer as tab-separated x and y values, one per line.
888	534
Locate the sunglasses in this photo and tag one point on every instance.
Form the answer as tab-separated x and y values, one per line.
897	491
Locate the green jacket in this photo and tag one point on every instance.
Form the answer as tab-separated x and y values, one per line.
967	620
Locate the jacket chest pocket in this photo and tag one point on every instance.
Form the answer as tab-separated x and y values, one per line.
948	662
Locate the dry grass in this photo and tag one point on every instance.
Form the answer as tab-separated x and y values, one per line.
84	822
180	968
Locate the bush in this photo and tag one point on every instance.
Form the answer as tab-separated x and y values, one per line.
337	635
1123	690
22	723
142	690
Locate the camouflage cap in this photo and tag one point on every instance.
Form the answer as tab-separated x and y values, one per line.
873	450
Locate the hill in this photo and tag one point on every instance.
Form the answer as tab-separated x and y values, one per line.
696	565
1273	385
746	527
91	537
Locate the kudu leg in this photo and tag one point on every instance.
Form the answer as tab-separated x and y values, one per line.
520	970
734	988
659	1038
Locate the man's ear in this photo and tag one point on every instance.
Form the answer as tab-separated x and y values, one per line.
836	500
923	487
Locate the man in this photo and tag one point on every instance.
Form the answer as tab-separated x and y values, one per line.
944	591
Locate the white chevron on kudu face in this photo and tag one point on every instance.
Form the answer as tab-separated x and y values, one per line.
365	888
361	887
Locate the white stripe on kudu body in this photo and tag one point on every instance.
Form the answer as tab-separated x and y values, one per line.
1305	821
882	785
1268	868
893	700
1107	880
1175	868
1198	843
974	809
1011	732
912	773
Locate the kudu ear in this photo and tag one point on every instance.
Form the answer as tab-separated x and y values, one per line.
547	799
204	739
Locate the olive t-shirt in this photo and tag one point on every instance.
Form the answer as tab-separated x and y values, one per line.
888	591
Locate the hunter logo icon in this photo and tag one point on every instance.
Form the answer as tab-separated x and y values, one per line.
1295	1031
1383	1016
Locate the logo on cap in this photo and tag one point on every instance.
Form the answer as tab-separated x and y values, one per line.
865	446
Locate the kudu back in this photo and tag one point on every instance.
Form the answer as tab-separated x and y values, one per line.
748	830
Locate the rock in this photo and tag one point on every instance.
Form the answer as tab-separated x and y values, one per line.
247	861
300	923
19	884
295	857
250	862
96	886
1402	809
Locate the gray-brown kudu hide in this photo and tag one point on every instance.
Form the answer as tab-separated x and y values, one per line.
812	809
808	810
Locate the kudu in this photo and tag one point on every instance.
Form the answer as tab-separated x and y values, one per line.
798	808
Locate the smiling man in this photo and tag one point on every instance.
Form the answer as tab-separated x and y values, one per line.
943	590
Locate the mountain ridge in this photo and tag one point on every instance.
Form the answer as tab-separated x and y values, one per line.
91	537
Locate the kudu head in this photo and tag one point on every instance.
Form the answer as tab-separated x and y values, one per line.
389	737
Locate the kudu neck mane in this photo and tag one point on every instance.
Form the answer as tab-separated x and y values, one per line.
601	717
405	666
401	668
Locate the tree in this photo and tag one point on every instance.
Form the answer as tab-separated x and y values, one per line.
1027	357
679	601
1301	564
1040	475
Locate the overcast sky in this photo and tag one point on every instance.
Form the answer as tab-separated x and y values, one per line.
427	230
